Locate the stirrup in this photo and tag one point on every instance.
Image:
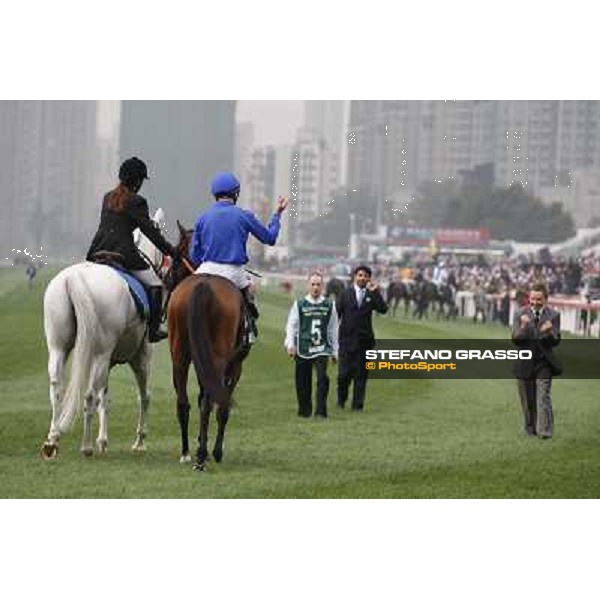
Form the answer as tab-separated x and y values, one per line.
250	330
252	334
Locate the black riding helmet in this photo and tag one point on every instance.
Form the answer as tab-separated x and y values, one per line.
133	171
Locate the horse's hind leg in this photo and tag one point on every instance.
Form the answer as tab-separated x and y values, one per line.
202	453
60	330
97	384
233	376
103	410
56	373
140	366
222	418
180	379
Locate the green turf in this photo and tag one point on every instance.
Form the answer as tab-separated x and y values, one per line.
432	439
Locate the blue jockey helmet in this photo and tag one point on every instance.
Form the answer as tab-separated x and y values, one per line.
225	184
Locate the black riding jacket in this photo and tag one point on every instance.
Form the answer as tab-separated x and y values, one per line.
115	233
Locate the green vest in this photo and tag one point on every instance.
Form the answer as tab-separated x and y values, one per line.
312	330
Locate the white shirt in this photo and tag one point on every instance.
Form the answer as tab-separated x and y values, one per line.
293	326
440	275
361	294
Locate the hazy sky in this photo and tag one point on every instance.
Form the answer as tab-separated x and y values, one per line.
275	121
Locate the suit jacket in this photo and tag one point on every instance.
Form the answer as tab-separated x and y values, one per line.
356	328
115	233
541	344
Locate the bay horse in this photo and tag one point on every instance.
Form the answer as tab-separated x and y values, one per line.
445	298
206	328
424	294
398	290
90	315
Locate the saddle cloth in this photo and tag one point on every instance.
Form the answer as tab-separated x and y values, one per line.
138	293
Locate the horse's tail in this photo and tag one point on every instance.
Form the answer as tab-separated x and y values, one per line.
201	301
79	295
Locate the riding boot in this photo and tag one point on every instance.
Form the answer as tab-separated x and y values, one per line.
156	334
249	299
252	313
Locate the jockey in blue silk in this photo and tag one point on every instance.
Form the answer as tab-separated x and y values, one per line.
221	233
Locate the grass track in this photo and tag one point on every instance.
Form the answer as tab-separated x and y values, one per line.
417	439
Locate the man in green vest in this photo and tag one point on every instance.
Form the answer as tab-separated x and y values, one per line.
311	338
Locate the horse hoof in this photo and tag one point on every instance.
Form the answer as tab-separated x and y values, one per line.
200	467
102	446
87	452
218	456
185	458
139	447
49	451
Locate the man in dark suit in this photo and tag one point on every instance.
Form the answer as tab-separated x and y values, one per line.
355	306
537	328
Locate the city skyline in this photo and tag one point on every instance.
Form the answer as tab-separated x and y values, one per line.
61	161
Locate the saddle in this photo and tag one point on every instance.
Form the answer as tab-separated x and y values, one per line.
138	291
111	259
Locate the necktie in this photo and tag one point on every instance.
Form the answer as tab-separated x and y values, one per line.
536	318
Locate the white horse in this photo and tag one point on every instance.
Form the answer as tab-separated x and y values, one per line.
89	314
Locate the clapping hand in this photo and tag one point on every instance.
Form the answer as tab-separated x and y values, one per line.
372	286
546	326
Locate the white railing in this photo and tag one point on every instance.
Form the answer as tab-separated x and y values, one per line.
574	314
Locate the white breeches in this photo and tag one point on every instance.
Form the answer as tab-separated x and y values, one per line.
148	277
235	273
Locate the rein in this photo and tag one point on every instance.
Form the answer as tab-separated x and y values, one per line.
191	270
150	263
188	266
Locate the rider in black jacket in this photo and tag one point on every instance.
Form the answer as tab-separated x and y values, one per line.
123	211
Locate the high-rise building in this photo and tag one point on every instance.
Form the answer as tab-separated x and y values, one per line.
106	163
546	140
581	199
386	151
268	176
314	172
394	146
327	119
244	143
259	183
184	143
47	151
